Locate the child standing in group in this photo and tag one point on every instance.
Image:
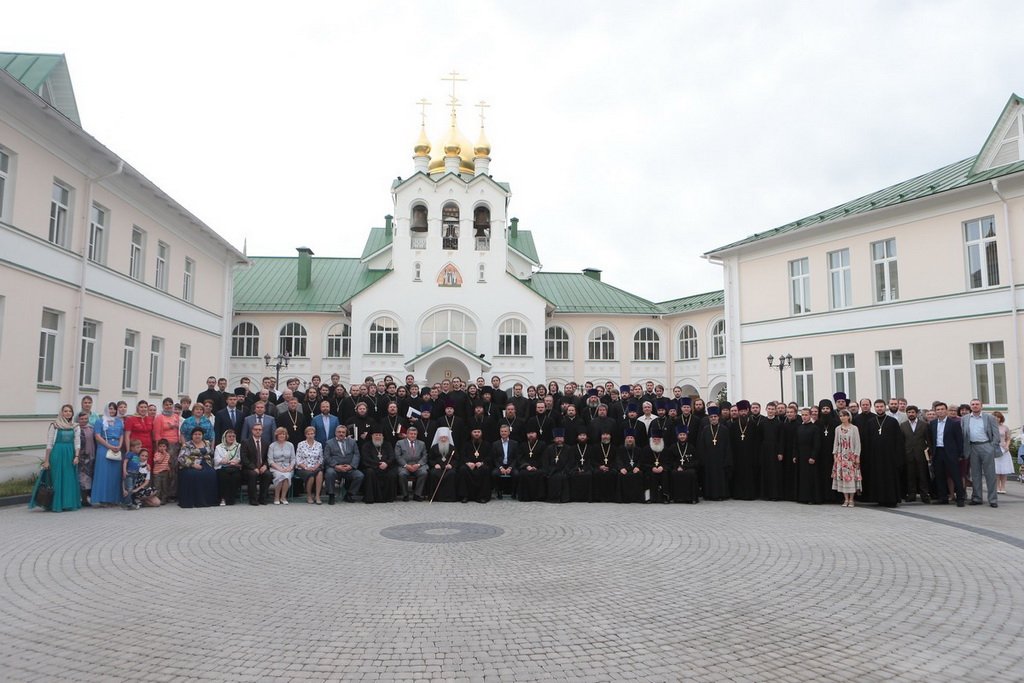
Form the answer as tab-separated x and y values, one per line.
162	470
138	489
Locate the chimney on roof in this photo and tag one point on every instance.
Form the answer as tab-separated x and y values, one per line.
388	226
594	273
305	267
513	230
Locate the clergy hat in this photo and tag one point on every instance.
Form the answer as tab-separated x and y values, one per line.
632	408
629	431
743	404
662	404
487	391
240	391
530	429
426	408
625	389
840	396
607	430
558	432
825	402
591	392
449	404
685	401
724	405
656	432
681	429
714	410
377	429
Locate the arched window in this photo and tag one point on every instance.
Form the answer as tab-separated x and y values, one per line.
450	227
339	341
292	340
416	271
245	341
646	344
688	343
601	344
718	339
512	338
448	324
556	343
482	228
384	335
418	227
481	272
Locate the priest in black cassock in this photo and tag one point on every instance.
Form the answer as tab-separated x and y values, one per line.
746	438
531	468
655	468
557	463
474	472
631	476
772	450
380	475
605	471
715	451
788	430
581	474
805	457
827	423
885	446
682	458
361	426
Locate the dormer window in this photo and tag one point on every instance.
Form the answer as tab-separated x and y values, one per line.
482	228
450	227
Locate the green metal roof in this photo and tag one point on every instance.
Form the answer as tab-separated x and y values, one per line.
33	70
523	243
270	284
378	239
579	293
694	302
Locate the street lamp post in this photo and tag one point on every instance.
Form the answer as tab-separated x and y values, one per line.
784	361
280	362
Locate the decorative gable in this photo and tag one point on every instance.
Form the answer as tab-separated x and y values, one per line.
1005	144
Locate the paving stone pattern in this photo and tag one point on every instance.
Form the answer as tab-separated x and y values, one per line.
717	591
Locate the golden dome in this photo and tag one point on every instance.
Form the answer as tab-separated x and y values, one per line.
483	145
422	147
456	144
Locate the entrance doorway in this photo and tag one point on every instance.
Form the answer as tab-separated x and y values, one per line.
447	368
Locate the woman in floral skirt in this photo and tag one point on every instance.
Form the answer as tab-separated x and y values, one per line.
846	477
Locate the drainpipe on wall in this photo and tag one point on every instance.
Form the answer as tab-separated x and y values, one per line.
80	321
1013	299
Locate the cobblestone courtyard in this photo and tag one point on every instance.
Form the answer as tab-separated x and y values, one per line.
515	591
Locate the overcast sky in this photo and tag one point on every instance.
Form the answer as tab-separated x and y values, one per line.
635	136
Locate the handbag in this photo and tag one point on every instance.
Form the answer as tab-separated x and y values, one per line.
44	494
112	453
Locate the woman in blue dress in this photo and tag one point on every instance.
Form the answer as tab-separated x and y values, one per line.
106	478
61	463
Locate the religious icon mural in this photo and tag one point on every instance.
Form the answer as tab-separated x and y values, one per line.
449	276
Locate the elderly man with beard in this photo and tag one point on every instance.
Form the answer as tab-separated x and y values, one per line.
474	473
605	475
655	468
557	463
581	473
442	460
377	460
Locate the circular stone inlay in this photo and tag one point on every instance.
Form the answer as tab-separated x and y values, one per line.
442	532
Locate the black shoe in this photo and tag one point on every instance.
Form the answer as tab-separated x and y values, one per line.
975	502
330	499
253	502
926	500
465	500
418	499
910	499
405	498
348	499
484	500
993	505
263	502
940	502
959	503
368	502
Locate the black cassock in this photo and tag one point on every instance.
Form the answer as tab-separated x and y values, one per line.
715	452
474	483
685	486
581	475
605	474
771	466
379	486
656	483
531	482
746	439
827	426
885	448
631	484
557	462
788	435
806	448
442	488
861	422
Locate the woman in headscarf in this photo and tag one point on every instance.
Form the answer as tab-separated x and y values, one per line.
106	478
60	463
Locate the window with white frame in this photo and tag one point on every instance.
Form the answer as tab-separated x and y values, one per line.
890	373
188	284
840	281
88	371
136	255
688	343
339	341
383	335
163	255
556	343
844	374
989	362
982	253
887	280
245	341
60	206
49	348
448	324
601	344
156	365
803	381
184	353
512	338
130	364
98	219
718	339
800	286
292	340
646	344
5	170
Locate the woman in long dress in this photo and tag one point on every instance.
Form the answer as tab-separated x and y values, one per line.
106	478
846	478
60	463
197	482
1004	461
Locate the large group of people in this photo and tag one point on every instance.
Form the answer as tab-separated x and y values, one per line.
379	441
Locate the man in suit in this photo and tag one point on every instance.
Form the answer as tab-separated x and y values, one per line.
341	461
947	442
325	423
916	445
255	469
228	418
505	456
411	459
981	447
259	416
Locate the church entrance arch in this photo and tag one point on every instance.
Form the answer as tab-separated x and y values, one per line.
447	368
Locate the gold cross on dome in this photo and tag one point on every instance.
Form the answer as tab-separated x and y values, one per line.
482	105
453	76
423	103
